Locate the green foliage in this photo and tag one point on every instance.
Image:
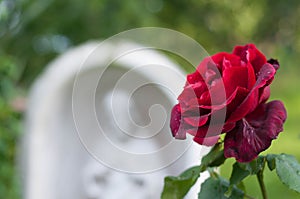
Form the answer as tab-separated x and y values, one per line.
287	168
34	33
288	171
217	187
9	129
238	174
271	160
255	166
215	157
242	170
177	187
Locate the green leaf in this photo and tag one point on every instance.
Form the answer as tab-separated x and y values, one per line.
178	187
228	193
271	161
288	171
254	166
215	157
241	170
217	187
242	187
238	174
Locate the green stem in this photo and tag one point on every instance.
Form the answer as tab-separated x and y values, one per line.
262	186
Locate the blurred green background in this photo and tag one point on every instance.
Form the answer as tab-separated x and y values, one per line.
33	32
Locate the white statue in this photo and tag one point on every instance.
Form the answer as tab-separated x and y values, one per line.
97	125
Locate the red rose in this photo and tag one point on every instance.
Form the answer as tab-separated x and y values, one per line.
227	93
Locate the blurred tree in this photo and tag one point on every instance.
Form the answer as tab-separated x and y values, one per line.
9	129
36	31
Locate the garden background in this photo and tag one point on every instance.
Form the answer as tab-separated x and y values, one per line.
34	32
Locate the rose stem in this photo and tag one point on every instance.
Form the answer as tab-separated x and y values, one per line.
262	186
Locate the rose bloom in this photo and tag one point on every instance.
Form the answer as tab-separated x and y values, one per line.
228	93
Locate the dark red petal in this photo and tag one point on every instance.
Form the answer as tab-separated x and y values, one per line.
196	121
209	141
219	57
175	122
209	70
187	93
193	109
217	101
235	101
257	59
228	127
241	52
207	63
236	98
255	133
197	117
251	76
225	60
217	92
266	74
202	131
249	53
175	119
204	99
235	77
192	91
199	88
264	94
212	129
274	63
194	77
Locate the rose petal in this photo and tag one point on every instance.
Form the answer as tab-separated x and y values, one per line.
255	133
193	109
217	117
264	94
194	78
196	121
251	76
204	99
209	141
175	119
257	59
249	53
199	112
217	92
266	74
207	65
274	63
235	77
210	130
225	60
233	101
192	91
176	124
206	131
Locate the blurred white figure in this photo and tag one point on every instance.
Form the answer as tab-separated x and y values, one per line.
98	131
